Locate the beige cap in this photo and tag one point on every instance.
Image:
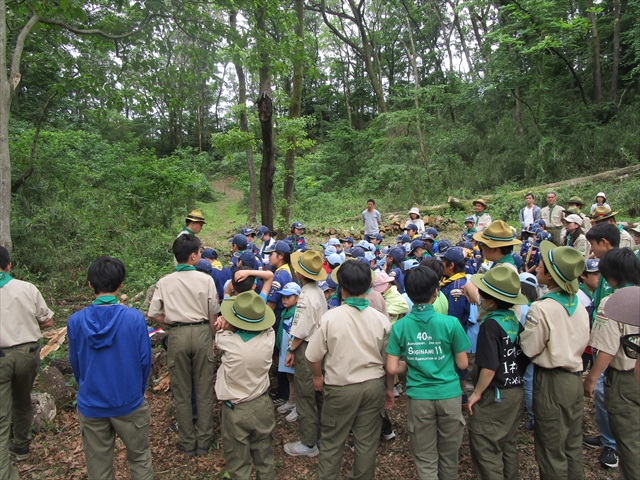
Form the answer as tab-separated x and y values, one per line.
573	218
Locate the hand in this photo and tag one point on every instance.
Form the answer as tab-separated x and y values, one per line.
222	324
241	275
318	383
588	386
389	399
473	399
289	360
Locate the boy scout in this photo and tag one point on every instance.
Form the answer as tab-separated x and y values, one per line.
555	336
604	215
246	340
186	302
311	306
552	215
481	219
351	340
23	314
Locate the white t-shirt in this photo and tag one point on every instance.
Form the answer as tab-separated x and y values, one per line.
528	215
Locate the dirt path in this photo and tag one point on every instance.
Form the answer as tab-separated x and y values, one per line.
224	215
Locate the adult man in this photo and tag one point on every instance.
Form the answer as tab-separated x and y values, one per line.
530	212
186	303
371	219
574	205
23	314
481	219
605	215
552	215
194	221
110	354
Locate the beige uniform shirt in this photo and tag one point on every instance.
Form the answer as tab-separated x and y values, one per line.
605	336
186	297
22	309
583	246
482	222
311	306
376	300
626	240
352	344
551	338
552	218
244	372
586	223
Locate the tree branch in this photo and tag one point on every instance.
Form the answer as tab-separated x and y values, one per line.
573	72
335	31
100	33
535	120
17	52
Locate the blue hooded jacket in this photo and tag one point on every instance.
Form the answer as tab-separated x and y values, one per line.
110	353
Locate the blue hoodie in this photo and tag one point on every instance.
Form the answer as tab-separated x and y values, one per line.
110	354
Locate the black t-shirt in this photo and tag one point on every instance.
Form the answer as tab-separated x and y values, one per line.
496	351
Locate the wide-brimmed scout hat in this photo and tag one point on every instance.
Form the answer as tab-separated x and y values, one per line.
334	272
602	213
248	311
575	200
497	235
624	306
480	201
196	216
308	264
501	282
564	264
635	229
573	218
414	210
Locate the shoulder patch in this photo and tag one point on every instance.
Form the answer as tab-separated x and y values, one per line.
530	322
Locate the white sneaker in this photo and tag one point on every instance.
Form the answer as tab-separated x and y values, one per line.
299	450
286	408
397	390
293	416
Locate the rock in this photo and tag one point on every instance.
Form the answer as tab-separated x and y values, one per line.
156	338
158	361
124	298
52	382
63	365
44	410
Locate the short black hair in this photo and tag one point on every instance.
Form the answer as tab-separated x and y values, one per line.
185	245
529	291
246	284
621	265
435	265
530	194
371	200
106	274
354	277
604	231
5	258
506	250
421	283
457	267
501	304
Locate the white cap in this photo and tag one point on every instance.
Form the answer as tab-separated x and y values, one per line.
573	218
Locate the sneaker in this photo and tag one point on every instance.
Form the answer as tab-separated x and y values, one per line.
528	426
592	442
397	389
608	458
173	426
277	401
202	451
20	453
188	453
293	416
297	449
286	408
388	435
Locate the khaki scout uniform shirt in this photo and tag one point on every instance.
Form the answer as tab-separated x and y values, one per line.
605	336
626	240
552	217
310	307
553	339
352	343
482	221
244	372
188	296
22	309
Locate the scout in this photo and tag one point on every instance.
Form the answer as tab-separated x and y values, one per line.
350	342
605	215
246	340
575	235
430	344
499	392
24	314
296	240
552	216
556	333
574	205
311	306
194	223
621	269
481	219
186	303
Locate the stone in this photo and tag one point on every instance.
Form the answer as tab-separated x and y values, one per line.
51	381
63	365
44	410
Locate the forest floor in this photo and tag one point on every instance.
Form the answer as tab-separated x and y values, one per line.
56	451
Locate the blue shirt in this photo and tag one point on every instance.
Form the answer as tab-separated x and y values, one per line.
280	278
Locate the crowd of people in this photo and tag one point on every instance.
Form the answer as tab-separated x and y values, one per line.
494	322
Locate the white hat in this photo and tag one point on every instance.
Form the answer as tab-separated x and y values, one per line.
414	210
601	194
573	218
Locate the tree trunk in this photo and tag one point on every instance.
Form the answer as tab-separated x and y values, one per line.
616	50
517	118
265	111
294	108
597	71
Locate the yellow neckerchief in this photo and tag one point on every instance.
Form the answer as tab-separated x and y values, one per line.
283	267
216	264
452	278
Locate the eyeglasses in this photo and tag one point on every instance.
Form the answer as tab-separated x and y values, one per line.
631	345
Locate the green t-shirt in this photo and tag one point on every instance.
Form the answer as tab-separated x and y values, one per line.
428	342
441	305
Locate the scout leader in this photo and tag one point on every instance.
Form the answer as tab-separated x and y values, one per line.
555	336
481	219
311	306
246	340
499	392
552	216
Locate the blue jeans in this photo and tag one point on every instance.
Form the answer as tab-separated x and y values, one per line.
602	416
528	391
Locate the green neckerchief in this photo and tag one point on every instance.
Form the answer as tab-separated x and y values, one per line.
4	279
586	291
567	240
478	217
246	335
333	296
620	227
184	267
602	290
105	300
507	321
508	258
357	302
286	314
185	229
470	231
569	302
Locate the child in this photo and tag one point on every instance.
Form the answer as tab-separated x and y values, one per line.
532	259
246	339
469	226
289	294
418	250
529	288
347	244
329	288
394	266
441	304
396	306
264	234
412	231
434	235
238	245
430	344
498	396
414	217
219	273
297	241
245	279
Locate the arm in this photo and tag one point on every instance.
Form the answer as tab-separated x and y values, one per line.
47	324
484	380
212	323
145	353
390	398
536	213
395	366
462	361
158	319
318	379
289	361
602	362
271	305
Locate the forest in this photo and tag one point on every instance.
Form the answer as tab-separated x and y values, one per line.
117	116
